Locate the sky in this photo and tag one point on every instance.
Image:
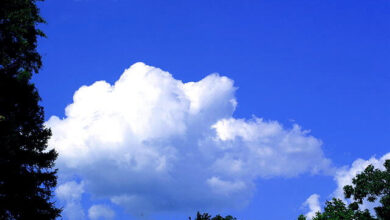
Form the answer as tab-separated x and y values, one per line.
258	109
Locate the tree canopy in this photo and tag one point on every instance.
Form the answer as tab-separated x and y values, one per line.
206	216
370	185
27	175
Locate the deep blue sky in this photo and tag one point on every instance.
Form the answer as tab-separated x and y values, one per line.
322	64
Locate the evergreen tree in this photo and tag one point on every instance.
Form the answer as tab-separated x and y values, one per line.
27	176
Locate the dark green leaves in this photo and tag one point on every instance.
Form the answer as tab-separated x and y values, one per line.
206	216
371	185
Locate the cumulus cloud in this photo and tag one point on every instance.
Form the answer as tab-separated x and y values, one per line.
261	148
102	212
70	194
150	142
313	204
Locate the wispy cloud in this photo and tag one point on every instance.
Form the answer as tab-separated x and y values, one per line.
70	194
100	212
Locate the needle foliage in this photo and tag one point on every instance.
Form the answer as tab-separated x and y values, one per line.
27	173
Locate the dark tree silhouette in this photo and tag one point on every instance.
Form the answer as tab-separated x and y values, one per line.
336	209
27	176
206	216
371	185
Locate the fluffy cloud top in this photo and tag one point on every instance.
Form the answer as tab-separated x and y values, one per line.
150	142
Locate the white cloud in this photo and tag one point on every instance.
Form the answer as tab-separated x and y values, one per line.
100	212
225	187
265	149
313	204
153	143
70	194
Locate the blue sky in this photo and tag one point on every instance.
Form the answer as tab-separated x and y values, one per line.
323	65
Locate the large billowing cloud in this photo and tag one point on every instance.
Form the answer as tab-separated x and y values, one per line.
152	143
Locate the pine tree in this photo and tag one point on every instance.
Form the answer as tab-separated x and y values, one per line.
27	174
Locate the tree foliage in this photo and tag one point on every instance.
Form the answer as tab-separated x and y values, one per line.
206	216
27	175
371	185
337	210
